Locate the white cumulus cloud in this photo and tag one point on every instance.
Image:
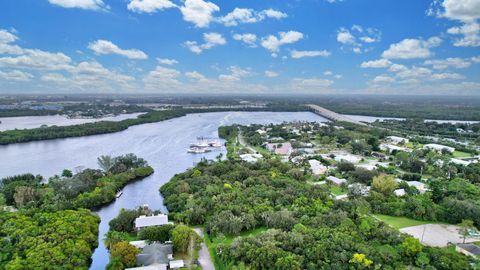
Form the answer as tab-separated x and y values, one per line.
149	6
411	48
300	54
107	47
247	38
199	12
381	63
210	40
273	43
82	4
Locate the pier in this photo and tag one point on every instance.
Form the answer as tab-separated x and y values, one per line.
331	115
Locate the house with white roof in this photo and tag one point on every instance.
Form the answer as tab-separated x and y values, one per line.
336	181
397	139
460	161
399	192
252	158
439	147
390	148
317	167
148	221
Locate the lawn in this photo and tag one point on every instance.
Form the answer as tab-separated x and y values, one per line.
402	222
336	190
459	154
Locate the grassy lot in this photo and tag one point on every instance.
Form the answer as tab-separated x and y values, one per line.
336	190
460	154
213	242
402	222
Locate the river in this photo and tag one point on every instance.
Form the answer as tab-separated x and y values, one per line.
162	144
28	122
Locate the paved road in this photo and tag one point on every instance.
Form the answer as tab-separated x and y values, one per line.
203	255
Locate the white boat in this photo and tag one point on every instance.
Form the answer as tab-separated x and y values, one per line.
198	150
119	194
199	145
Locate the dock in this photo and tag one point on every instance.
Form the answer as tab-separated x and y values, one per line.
331	115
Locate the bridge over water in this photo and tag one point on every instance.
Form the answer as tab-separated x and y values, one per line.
331	115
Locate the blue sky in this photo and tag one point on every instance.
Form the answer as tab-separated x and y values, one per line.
248	46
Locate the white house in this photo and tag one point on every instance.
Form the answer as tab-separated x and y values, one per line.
399	192
418	185
317	167
252	158
144	221
177	264
438	147
397	140
390	148
336	181
460	162
347	157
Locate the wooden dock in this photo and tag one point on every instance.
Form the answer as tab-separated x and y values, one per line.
331	115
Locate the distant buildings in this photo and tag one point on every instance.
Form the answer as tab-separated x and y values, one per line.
390	148
397	140
284	149
438	147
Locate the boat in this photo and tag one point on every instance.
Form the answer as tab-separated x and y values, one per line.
119	194
199	145
215	144
198	150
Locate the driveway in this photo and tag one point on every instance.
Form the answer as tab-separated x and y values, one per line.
203	255
437	235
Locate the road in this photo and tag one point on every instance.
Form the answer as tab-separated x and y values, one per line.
333	116
203	255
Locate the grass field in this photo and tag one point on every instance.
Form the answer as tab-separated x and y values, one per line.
336	190
459	154
402	222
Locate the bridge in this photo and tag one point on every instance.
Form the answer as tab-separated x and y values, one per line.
331	115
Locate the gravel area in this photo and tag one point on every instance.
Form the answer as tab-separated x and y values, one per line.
437	235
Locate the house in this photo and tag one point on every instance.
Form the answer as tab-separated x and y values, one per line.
390	148
177	264
284	149
144	221
347	157
468	249
155	254
150	267
397	140
261	131
317	167
336	181
399	192
418	185
460	162
139	244
252	158
439	147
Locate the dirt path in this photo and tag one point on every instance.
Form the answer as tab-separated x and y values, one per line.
203	255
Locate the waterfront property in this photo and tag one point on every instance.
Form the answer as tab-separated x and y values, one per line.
148	221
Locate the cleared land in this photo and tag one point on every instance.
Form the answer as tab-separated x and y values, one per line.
401	222
437	235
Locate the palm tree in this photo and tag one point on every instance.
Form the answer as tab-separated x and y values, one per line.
106	163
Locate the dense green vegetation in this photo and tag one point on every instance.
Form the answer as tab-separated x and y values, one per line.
44	225
307	230
47	240
55	132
